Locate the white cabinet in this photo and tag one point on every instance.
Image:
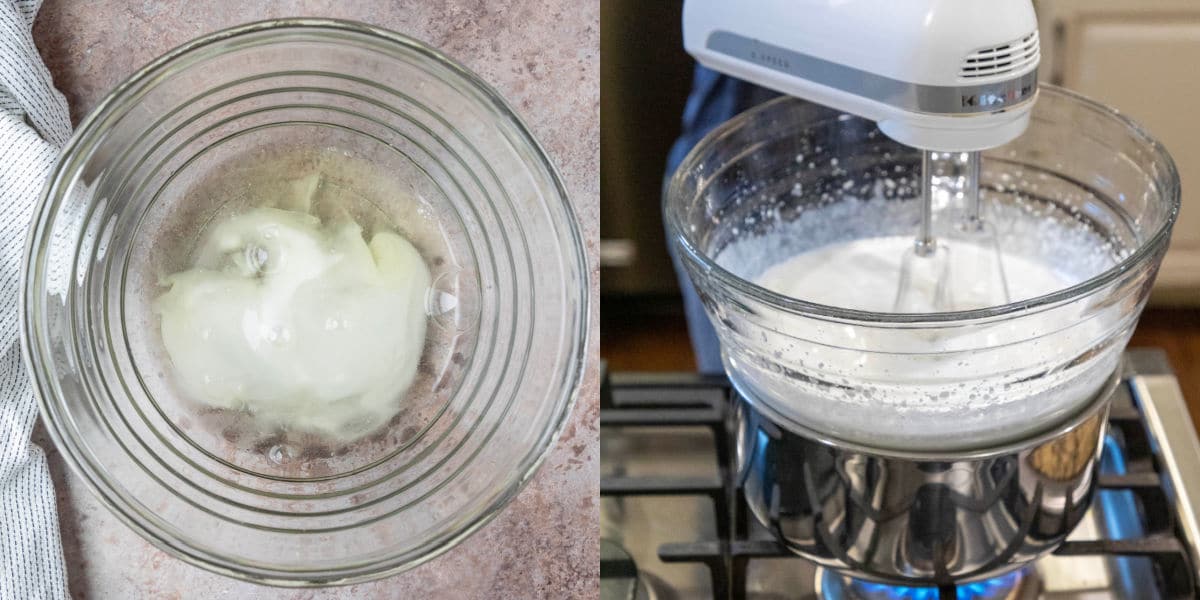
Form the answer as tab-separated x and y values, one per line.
1142	57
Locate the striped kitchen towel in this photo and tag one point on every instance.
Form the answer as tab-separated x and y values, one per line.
34	126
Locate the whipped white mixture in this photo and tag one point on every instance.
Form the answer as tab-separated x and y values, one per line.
864	275
924	386
306	325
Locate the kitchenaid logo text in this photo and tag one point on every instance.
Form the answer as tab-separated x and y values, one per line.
771	60
990	99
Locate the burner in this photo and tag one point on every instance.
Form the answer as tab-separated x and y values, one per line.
1016	585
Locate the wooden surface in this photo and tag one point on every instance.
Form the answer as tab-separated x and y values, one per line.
661	344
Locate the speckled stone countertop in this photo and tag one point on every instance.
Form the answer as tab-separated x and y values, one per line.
544	56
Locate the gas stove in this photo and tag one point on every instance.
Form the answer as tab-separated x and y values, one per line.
674	525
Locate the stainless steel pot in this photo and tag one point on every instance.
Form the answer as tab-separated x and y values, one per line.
920	518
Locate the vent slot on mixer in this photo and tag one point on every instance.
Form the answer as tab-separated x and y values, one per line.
1002	59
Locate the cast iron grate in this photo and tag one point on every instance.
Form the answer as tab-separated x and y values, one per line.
674	400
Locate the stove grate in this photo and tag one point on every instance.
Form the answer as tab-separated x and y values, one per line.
689	400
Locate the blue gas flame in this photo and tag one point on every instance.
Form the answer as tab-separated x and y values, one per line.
980	590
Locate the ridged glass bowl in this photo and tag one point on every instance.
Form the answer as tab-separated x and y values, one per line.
1083	189
405	137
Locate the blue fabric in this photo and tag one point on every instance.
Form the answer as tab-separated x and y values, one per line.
714	99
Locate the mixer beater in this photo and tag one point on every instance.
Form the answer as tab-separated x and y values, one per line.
967	278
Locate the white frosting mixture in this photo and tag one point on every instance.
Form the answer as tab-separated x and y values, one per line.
864	275
920	386
305	325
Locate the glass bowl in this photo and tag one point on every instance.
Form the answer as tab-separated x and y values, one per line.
1083	185
370	124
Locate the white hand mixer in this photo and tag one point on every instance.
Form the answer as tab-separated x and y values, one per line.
945	76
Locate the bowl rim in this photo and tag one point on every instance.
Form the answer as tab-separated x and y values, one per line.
574	363
677	235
